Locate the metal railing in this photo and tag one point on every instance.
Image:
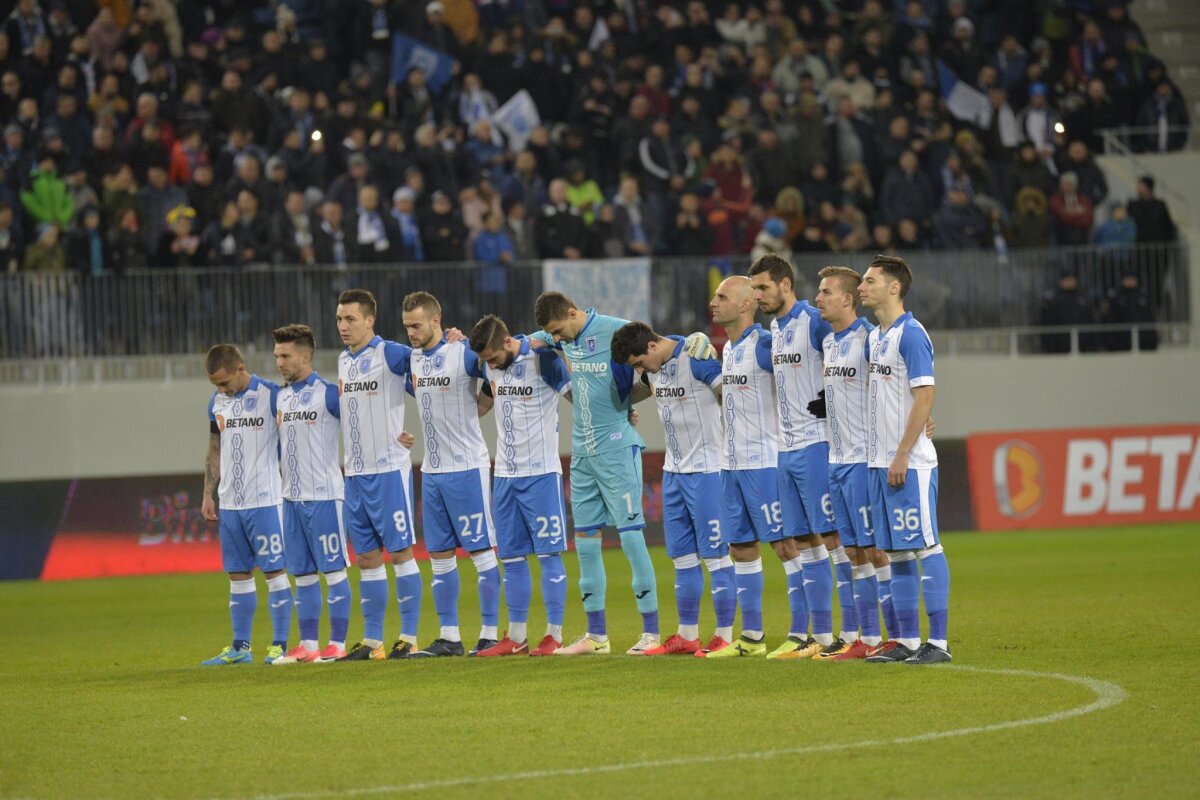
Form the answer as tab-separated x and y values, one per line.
71	315
1147	139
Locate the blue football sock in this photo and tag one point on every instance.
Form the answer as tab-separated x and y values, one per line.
592	580
243	600
554	587
308	606
518	588
883	576
748	577
724	590
445	590
906	598
935	585
844	573
373	595
644	585
280	597
689	585
408	598
339	605
488	569
866	598
818	590
797	600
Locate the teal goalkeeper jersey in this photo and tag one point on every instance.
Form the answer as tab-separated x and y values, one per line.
600	390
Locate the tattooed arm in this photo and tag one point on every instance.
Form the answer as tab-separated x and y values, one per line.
212	477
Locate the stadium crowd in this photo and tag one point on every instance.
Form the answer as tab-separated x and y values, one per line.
164	134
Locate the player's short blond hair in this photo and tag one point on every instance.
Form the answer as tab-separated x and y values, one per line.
847	277
422	300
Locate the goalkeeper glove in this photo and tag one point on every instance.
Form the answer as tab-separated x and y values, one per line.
817	407
698	346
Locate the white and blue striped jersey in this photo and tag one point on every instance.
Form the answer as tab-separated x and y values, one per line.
686	394
796	354
249	446
445	381
371	385
526	410
308	440
847	383
748	389
901	360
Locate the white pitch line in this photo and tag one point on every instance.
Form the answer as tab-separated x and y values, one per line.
1107	695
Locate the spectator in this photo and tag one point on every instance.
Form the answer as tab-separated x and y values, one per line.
1029	170
690	235
125	243
1129	304
494	249
959	224
1030	223
1165	114
789	207
524	184
850	85
1150	214
179	246
292	232
1065	306
770	167
46	254
520	231
770	240
1118	233
561	232
906	192
1072	212
408	228
47	200
606	238
443	234
155	199
1091	178
373	233
254	233
1038	122
331	245
583	194
664	161
631	218
87	250
12	243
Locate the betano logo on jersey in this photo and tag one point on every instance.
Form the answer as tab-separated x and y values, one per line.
1018	473
239	422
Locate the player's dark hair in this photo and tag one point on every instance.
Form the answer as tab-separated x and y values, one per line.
776	267
425	300
632	339
360	296
551	306
488	334
301	335
895	268
848	278
223	357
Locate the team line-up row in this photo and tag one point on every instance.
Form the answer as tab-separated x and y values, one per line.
810	437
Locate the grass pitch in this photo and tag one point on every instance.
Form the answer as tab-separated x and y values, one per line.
101	695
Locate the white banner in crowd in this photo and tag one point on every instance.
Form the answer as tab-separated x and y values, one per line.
617	287
517	118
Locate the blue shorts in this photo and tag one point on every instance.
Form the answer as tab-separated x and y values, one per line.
530	516
606	489
456	510
314	537
692	514
851	504
250	538
750	506
804	490
905	518
378	511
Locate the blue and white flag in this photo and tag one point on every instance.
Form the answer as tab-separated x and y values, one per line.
617	286
962	99
517	118
409	54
